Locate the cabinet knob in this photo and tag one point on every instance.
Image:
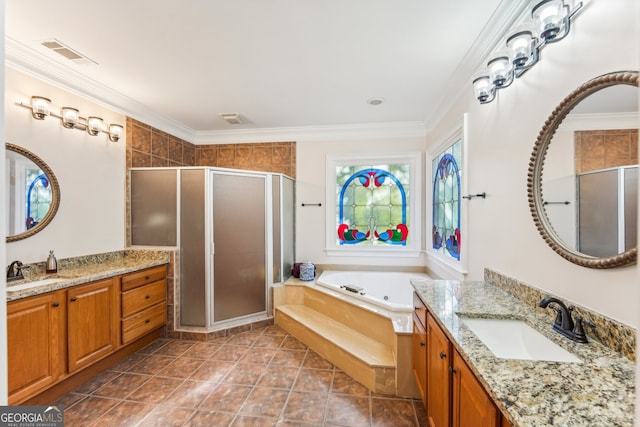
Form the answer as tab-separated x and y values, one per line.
56	304
147	321
147	277
74	299
443	355
147	296
422	344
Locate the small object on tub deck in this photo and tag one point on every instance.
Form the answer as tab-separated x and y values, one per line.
307	271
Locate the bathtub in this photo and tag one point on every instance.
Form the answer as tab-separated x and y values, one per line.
389	290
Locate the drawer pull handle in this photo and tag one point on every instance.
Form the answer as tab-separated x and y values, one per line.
443	355
147	277
74	299
56	304
147	321
422	344
147	296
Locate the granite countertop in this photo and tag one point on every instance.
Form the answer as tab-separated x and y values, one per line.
599	391
76	271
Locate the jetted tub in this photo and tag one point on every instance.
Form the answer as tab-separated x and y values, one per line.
390	290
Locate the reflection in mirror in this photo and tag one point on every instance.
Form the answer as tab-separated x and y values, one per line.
32	193
591	174
585	208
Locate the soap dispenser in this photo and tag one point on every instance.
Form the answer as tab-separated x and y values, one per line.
52	264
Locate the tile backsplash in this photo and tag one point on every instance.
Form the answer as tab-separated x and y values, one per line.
615	335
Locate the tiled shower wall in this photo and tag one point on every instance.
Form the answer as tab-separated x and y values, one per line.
151	147
601	149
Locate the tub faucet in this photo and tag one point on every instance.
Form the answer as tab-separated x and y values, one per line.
14	271
564	323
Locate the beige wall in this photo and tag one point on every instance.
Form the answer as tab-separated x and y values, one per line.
501	234
89	169
311	188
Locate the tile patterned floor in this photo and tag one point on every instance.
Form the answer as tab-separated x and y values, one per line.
255	378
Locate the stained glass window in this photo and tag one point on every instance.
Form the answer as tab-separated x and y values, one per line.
446	238
38	198
372	202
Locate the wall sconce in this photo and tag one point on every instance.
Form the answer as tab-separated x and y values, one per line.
40	107
551	22
71	119
115	132
94	125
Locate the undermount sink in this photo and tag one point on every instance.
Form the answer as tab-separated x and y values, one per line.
514	339
34	284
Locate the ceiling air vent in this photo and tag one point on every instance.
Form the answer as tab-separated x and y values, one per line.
232	118
67	52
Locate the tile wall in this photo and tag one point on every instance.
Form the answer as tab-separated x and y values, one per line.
601	149
151	147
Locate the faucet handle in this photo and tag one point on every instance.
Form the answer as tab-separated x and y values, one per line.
578	330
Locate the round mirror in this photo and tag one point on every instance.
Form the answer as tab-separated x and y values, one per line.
32	193
587	212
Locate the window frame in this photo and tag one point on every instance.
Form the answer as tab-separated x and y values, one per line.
456	268
414	242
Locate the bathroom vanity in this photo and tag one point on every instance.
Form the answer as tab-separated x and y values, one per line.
461	379
84	318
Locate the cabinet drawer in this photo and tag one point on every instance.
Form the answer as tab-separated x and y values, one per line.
140	278
135	326
420	310
143	297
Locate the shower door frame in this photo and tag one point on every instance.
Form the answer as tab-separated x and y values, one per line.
210	248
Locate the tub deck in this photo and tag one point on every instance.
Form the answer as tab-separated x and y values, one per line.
361	342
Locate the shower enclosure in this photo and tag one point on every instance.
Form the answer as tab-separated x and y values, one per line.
233	231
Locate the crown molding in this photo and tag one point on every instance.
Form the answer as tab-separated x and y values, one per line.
27	60
316	133
505	17
600	121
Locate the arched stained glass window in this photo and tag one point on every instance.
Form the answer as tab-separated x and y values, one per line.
446	236
38	198
372	205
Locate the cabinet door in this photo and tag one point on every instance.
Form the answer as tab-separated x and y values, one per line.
36	344
472	406
420	358
93	319
438	375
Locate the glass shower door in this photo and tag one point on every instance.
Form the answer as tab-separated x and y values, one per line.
239	236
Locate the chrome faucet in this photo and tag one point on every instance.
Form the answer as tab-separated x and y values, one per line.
14	271
564	323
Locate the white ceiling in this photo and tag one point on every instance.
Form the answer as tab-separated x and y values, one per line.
280	64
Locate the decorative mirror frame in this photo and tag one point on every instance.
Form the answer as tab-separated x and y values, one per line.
534	177
55	192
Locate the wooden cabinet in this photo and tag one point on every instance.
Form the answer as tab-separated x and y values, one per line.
36	341
420	358
92	321
471	405
454	396
54	335
419	346
438	375
143	301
